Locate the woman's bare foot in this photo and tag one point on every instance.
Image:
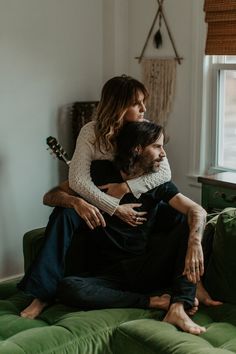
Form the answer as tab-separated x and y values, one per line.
194	309
178	317
160	302
204	297
34	309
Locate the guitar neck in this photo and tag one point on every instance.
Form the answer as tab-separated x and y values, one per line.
57	150
65	160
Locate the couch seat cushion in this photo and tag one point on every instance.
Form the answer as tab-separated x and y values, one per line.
59	329
148	336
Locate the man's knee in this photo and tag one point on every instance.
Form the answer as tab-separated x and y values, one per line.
65	214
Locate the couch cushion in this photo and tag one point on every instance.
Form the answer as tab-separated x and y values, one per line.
8	288
221	272
32	242
59	329
148	336
63	330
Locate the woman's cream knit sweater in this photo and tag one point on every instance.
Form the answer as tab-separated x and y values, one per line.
80	179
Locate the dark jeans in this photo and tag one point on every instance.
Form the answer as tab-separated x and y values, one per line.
127	283
130	282
41	279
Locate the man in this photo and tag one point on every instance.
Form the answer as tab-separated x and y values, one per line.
127	268
123	249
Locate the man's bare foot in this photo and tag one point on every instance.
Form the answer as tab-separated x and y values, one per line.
34	309
178	317
194	309
160	302
204	297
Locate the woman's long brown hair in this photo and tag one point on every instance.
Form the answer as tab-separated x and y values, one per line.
118	94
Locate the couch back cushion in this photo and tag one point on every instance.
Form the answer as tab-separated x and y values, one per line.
220	278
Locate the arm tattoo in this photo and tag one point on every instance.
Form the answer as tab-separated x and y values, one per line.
197	221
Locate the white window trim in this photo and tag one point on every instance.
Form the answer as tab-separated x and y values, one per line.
214	114
203	103
199	88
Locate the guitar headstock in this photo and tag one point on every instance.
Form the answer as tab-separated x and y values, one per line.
57	149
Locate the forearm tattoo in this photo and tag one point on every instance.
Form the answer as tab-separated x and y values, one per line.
197	220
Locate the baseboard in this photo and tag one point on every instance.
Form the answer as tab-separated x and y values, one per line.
11	277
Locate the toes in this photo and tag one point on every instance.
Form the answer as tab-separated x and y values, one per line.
197	330
192	311
27	315
210	302
194	330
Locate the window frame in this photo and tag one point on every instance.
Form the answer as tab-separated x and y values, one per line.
202	106
217	65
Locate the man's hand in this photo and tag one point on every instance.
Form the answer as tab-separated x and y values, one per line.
89	213
65	197
117	190
194	263
128	214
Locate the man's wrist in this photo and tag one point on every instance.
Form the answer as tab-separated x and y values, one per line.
126	188
195	239
73	202
117	211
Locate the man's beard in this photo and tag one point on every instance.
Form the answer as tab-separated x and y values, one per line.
146	165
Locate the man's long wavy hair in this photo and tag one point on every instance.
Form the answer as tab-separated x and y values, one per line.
132	136
118	94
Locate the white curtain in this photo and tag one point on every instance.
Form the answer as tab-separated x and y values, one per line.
159	76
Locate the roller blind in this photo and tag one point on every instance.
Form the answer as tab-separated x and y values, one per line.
220	16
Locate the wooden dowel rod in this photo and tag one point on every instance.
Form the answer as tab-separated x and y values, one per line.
176	58
169	33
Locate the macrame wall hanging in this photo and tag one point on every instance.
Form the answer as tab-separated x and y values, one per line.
159	74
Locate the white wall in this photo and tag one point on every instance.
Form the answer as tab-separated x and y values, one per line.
50	54
115	38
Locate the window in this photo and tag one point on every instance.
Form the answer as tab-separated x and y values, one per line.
224	112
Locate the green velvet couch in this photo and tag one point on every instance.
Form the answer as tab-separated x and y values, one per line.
61	329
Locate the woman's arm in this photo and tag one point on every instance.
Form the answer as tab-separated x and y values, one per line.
147	182
79	173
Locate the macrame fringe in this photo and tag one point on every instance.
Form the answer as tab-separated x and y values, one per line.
159	76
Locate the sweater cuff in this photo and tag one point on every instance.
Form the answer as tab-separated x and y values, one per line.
137	186
109	206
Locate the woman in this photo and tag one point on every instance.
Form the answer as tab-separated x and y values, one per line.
122	100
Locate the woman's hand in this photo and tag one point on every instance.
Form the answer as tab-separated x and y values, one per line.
117	190
89	213
194	262
128	214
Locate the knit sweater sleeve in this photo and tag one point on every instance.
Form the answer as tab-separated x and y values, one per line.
79	173
147	182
